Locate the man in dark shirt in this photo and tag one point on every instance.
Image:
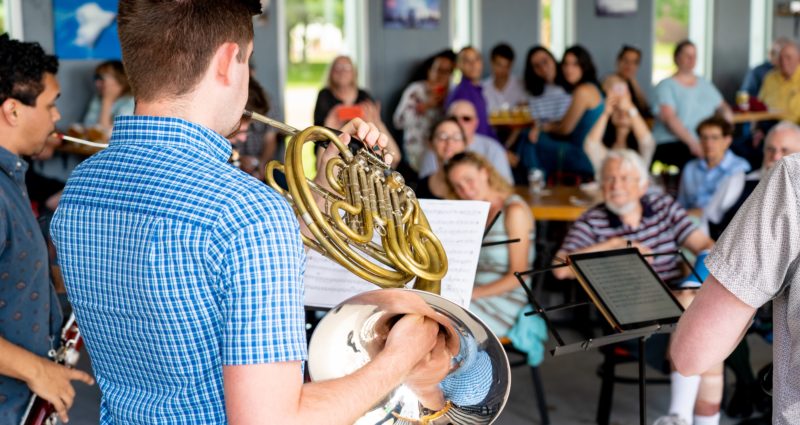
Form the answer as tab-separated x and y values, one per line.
30	316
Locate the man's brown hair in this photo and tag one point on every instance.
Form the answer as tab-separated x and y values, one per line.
168	45
716	121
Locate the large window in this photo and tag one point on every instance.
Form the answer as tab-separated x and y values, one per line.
315	35
557	31
3	14
677	20
671	26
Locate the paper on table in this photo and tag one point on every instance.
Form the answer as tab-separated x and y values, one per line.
458	224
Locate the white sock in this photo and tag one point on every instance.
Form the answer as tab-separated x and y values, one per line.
683	393
706	420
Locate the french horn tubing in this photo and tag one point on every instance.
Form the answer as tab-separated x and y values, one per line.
364	200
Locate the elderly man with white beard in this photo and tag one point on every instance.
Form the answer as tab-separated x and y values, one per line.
652	223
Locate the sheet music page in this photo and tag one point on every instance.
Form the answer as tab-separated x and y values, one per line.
458	224
629	290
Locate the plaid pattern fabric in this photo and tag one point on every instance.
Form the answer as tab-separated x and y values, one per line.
177	264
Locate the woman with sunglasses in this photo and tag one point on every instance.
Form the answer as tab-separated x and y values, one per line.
446	139
497	297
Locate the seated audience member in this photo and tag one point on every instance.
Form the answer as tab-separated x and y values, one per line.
782	140
502	90
546	149
781	88
255	142
497	297
341	101
464	112
628	60
652	223
113	97
422	104
447	138
681	102
545	86
755	76
702	176
470	64
621	126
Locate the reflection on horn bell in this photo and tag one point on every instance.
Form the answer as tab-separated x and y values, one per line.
363	196
476	387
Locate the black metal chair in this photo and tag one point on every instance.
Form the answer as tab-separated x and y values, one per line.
538	388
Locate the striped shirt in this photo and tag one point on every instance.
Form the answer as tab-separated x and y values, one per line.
176	264
551	105
664	228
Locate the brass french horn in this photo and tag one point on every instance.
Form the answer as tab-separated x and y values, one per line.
364	196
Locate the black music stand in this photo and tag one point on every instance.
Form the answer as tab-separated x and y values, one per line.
658	312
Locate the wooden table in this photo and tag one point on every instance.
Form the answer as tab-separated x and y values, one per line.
754	116
559	203
511	120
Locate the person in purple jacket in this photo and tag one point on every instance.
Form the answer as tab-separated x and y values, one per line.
470	64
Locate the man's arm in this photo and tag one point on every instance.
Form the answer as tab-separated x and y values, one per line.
276	391
709	329
47	379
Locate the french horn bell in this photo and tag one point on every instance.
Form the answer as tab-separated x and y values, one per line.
371	224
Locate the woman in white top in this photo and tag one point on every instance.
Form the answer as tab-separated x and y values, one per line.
422	104
620	126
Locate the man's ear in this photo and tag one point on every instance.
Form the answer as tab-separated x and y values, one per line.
9	111
224	62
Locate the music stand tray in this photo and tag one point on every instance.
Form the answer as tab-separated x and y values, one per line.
626	291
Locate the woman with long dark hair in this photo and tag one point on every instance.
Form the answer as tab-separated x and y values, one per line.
557	147
422	104
543	82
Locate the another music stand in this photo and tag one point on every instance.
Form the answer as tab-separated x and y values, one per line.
628	294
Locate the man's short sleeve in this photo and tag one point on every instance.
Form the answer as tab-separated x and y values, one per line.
752	257
681	223
264	318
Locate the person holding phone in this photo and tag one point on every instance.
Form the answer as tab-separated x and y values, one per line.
341	90
620	126
342	101
422	104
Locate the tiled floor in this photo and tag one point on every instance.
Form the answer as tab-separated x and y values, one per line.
571	384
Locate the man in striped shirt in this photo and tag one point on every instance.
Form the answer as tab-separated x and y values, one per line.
652	223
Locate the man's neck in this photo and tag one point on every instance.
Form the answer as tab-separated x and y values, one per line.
176	108
500	83
713	163
633	217
9	141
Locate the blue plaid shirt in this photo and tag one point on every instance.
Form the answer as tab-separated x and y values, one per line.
177	264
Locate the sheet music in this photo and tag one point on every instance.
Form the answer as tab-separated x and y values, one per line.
458	224
628	288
